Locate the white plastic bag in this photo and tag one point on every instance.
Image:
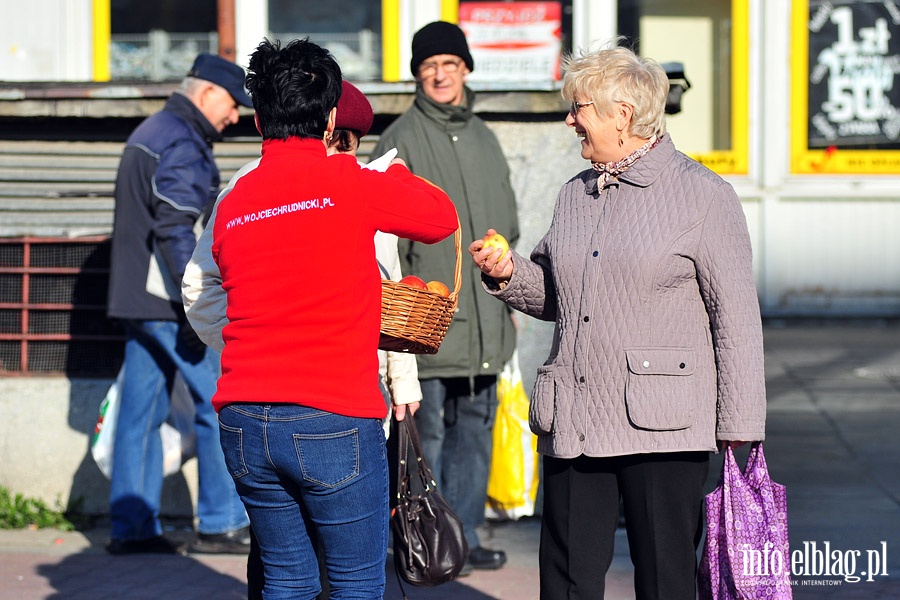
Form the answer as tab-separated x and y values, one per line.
105	429
177	433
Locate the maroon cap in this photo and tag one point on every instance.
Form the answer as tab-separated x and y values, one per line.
353	110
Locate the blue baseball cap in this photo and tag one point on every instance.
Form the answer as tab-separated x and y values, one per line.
225	73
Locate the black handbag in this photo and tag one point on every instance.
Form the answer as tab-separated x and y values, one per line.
429	544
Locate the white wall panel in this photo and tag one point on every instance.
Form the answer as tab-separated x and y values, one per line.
834	257
46	40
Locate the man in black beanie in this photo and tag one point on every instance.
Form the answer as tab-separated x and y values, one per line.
443	141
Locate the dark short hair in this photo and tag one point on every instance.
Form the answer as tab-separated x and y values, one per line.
293	88
344	140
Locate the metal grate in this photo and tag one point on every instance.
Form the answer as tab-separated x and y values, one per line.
53	308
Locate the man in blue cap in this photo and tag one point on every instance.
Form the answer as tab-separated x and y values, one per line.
167	179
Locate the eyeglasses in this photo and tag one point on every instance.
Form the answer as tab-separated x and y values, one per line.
576	106
448	66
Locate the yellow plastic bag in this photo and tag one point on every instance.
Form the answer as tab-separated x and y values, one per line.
513	481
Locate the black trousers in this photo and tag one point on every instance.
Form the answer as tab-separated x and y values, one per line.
662	498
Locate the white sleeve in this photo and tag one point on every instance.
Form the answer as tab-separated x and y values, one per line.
205	301
204	298
402	369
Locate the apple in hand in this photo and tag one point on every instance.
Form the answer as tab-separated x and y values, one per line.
439	288
416	282
493	241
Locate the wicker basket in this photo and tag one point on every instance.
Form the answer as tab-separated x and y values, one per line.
415	320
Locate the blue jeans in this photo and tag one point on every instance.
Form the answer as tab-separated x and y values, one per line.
151	359
302	473
456	423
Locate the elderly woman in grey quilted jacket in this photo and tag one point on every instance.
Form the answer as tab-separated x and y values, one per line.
657	354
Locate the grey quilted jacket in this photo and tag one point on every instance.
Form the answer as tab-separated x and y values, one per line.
658	341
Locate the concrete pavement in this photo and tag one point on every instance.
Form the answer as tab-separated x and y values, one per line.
833	440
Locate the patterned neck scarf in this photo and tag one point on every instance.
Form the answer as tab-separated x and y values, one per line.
612	170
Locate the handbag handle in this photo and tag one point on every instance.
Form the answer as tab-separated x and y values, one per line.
755	472
409	436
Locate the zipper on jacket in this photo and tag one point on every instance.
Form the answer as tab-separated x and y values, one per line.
476	322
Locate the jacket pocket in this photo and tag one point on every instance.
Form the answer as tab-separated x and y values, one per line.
660	389
543	401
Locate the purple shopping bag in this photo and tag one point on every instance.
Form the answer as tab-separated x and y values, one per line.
746	555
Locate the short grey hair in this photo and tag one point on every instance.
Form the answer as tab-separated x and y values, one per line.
616	75
190	86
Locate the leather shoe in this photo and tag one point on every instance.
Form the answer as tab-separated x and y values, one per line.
485	558
466	569
236	541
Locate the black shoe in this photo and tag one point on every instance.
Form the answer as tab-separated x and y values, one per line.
154	545
485	558
236	541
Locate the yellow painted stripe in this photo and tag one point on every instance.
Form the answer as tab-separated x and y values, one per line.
799	83
740	83
390	40
102	39
450	11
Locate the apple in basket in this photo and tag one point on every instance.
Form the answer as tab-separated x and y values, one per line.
439	288
416	282
495	240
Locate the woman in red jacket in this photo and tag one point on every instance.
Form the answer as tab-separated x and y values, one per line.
299	406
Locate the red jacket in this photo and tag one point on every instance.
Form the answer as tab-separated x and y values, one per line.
293	242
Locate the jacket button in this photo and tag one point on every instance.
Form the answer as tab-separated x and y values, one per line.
486	365
646	364
580	437
681	366
581	379
454	138
596	254
586	319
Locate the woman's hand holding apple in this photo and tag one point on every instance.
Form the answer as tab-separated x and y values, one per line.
491	255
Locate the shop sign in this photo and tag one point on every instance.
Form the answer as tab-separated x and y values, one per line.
847	94
513	41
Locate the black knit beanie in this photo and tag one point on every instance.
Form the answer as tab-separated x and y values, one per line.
439	37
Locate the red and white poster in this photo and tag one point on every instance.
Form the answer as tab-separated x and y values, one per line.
513	41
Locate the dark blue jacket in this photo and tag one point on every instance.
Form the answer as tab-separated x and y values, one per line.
166	181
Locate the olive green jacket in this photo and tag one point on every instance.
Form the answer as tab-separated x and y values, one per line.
453	148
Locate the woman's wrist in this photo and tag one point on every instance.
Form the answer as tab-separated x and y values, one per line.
493	283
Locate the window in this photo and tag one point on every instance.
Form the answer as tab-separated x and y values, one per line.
349	29
712	45
53	308
845	104
159	40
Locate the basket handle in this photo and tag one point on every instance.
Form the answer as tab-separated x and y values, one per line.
457	272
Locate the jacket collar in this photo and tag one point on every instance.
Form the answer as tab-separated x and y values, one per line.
447	116
182	107
644	171
300	148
